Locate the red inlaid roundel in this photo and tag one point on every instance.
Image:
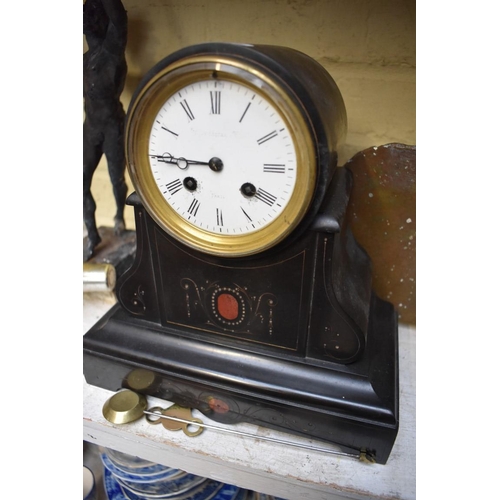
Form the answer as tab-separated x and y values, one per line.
227	306
218	405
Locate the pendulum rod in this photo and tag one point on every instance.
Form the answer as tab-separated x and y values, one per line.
360	454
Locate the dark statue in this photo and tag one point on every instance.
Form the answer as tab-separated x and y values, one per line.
104	72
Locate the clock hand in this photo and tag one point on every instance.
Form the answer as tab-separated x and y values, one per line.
181	162
214	163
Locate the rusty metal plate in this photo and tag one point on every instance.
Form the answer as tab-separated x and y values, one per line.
382	213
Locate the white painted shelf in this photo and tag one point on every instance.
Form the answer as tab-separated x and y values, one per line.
281	470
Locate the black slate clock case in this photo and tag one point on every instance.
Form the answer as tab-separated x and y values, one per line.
292	338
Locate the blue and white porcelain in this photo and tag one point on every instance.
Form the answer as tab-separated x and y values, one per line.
128	461
131	478
205	491
165	488
145	474
134	466
113	489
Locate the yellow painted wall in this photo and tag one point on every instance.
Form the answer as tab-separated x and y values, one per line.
368	46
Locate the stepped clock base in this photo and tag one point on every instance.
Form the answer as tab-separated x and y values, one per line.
353	406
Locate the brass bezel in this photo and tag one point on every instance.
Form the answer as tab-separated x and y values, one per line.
141	117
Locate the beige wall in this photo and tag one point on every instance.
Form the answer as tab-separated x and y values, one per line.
368	46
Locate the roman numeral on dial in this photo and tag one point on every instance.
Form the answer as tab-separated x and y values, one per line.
265	197
187	109
215	96
274	168
267	137
174	186
168	130
245	112
220	221
246	109
193	208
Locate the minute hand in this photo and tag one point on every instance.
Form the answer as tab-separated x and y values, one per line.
181	162
214	163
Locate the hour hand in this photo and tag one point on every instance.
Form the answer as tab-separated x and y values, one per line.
214	163
181	162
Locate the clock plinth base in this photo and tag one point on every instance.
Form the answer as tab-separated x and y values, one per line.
354	406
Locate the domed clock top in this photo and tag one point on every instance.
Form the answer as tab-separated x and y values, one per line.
224	151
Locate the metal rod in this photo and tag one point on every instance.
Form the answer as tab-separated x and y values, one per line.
246	434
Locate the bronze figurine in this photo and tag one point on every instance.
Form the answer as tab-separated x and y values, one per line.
104	72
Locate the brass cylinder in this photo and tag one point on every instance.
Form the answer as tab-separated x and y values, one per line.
98	277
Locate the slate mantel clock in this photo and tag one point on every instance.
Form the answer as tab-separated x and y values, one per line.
249	298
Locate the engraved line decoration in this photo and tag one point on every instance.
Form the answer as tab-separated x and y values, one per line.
229	306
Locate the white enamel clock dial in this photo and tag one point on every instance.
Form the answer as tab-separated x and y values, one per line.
223	157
